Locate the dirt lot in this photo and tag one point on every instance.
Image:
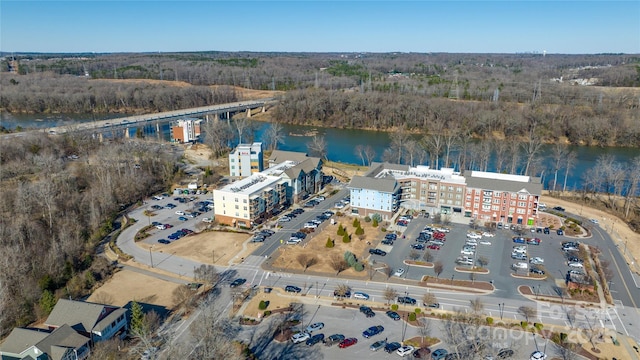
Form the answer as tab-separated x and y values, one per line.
126	286
287	258
224	246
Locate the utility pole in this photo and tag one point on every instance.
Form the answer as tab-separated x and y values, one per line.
151	255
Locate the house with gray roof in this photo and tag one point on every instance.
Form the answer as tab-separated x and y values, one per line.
62	343
97	321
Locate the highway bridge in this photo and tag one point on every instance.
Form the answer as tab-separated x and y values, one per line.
140	120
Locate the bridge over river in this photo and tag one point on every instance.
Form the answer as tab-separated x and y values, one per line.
220	110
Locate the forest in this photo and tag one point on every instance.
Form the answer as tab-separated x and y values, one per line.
579	99
56	209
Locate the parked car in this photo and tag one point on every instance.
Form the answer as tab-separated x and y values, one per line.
520	265
378	345
417	246
347	342
392	314
182	218
391	347
367	311
533	241
333	339
432	305
538	355
560	232
405	350
537	271
558	208
399	272
237	282
518	256
546	230
377	252
315	327
433	247
293	289
485	242
439	354
179	212
576	265
315	339
300	337
518	240
374	330
536	260
164	241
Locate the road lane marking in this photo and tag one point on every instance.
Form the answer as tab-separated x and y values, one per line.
622	279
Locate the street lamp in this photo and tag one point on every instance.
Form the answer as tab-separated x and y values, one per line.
452	278
501	307
151	255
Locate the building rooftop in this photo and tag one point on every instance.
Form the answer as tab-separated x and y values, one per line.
251	184
423	172
503	182
378	184
80	315
279	156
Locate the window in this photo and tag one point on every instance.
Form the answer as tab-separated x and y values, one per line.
244	201
458	189
245	208
458	196
237	207
233	160
522	203
233	166
495	208
496	201
450	188
521	211
475	205
497	193
236	199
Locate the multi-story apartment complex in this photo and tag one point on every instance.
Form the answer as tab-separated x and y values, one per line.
185	130
246	159
490	197
249	201
502	198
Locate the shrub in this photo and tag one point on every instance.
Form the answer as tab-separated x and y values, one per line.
330	243
350	258
367	219
263	304
412	316
359	231
346	238
417	310
524	324
489	320
374	223
394	307
267	313
358	267
383	229
538	326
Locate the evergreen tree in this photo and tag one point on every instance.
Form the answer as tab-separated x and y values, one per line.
138	326
340	230
47	301
330	243
356	222
375	222
359	230
346	238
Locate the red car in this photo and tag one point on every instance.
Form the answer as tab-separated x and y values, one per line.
439	235
347	342
168	226
433	247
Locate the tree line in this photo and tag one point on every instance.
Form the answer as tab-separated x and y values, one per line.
56	209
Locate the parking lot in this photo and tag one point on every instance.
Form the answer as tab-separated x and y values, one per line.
498	256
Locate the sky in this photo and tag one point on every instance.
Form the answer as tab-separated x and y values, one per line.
557	27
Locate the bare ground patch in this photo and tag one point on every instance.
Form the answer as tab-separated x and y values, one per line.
125	286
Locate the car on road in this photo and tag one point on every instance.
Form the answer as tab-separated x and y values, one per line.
237	282
405	350
392	346
374	330
315	327
594	221
538	355
292	289
182	218
558	208
164	241
333	339
377	252
432	305
315	339
347	342
392	314
284	219
360	295
300	337
378	345
406	300
439	354
536	260
399	272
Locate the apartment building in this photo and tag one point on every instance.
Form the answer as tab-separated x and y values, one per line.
185	130
502	198
370	195
246	159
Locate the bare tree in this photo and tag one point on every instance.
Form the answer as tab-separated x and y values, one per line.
531	147
306	260
342	290
414	255
274	135
369	153
633	171
338	263
390	294
527	311
424	327
242	124
428	298
483	261
359	151
318	147
438	268
476	305
427	256
387	270
207	274
570	158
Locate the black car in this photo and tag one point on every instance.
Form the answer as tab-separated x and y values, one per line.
347	294
558	208
505	354
237	282
547	231
387	242
394	315
535	270
406	300
164	241
291	288
333	339
377	252
297	211
315	339
391	236
417	246
374	330
367	311
392	346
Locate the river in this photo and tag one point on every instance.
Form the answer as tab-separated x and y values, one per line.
341	142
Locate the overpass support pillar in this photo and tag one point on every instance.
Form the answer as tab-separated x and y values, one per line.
158	129
264	108
249	112
100	137
126	133
228	117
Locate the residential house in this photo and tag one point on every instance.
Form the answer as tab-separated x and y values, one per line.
97	321
61	343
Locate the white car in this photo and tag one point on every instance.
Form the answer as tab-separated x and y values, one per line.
576	265
405	350
520	265
181	213
293	241
485	242
207	220
595	221
536	260
474	236
488	234
399	272
473	242
160	227
467	252
158	197
538	355
314	327
284	219
300	337
310	225
360	296
338	205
